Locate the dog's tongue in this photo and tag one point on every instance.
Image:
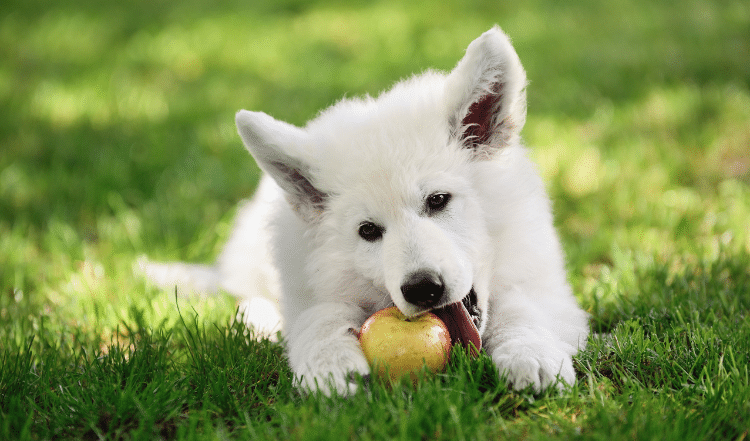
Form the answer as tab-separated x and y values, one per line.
458	321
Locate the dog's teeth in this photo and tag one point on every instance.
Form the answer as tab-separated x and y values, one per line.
470	302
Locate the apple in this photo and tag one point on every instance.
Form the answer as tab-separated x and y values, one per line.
397	346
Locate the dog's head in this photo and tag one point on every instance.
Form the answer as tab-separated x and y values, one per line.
387	185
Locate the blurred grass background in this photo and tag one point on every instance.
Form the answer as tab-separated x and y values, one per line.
117	136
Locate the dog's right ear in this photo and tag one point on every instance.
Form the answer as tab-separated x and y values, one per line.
276	147
486	95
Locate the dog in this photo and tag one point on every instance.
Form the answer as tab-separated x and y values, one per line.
423	198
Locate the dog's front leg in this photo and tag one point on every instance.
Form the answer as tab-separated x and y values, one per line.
525	345
323	348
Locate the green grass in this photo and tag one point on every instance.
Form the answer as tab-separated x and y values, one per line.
117	140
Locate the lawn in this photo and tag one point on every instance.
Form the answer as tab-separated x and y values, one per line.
117	141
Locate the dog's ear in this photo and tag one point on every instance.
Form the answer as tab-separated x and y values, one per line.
486	95
276	147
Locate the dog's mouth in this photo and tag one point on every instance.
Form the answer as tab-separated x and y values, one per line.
462	319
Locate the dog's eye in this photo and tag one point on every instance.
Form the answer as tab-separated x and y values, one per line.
370	232
436	202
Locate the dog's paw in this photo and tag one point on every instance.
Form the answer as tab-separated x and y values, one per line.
331	367
536	363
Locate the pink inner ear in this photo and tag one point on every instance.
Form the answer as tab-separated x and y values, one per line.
479	122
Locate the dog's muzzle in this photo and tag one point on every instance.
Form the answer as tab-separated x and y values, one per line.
426	289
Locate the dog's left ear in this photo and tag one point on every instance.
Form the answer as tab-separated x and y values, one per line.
278	149
486	95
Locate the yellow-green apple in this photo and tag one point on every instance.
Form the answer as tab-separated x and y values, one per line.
396	345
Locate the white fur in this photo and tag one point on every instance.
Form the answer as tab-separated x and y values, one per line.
377	160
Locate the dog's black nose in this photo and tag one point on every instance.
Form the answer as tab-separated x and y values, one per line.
423	288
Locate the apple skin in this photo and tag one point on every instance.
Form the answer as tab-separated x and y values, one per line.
396	346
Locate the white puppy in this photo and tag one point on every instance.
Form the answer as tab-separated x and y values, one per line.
422	198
